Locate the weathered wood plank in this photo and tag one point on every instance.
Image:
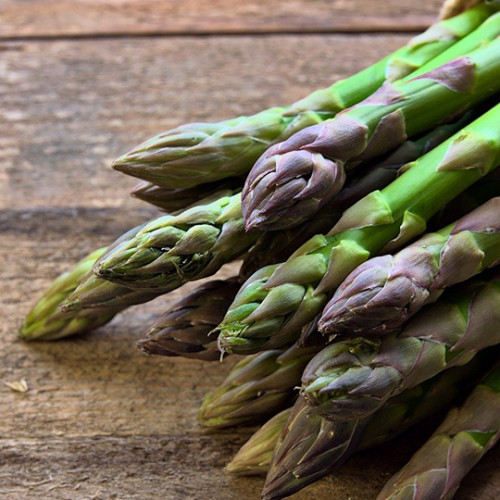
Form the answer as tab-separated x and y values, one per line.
56	18
69	108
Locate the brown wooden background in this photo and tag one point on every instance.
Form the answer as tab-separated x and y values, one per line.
80	83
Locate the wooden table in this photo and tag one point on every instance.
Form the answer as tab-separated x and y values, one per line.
80	83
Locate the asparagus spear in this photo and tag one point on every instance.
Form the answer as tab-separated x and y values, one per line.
467	433
384	292
256	387
178	248
312	446
295	178
352	379
272	247
183	330
46	322
199	153
96	292
277	301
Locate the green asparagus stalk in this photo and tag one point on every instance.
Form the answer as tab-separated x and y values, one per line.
275	246
295	178
352	379
486	188
468	432
178	248
171	200
46	322
277	301
384	292
199	153
256	387
183	330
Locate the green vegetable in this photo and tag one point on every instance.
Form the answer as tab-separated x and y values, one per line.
184	329
352	379
256	387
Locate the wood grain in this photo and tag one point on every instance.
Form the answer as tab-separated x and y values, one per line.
100	420
59	18
70	107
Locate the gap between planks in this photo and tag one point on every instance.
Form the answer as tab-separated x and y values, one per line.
306	31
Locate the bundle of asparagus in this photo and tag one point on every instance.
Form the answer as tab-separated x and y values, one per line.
315	198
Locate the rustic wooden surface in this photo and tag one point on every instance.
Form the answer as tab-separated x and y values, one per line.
99	419
55	18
